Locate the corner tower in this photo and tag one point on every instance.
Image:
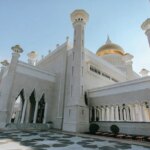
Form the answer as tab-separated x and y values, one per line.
76	117
146	27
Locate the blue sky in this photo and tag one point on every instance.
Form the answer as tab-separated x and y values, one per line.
40	24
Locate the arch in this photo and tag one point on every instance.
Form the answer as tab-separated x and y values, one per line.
86	98
119	112
146	114
97	113
128	113
41	108
93	114
32	106
124	113
90	114
18	107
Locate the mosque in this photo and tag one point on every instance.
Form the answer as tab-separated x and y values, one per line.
72	86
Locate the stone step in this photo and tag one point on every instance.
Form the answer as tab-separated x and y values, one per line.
31	126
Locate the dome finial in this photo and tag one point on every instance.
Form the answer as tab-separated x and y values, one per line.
108	40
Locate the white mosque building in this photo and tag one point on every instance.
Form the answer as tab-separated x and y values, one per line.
72	86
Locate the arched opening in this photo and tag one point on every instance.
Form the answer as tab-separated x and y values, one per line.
93	114
41	108
32	106
97	114
17	108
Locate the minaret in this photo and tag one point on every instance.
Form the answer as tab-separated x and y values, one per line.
76	112
146	27
79	19
7	86
32	58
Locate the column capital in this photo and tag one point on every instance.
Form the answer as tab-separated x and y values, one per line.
79	16
4	63
17	49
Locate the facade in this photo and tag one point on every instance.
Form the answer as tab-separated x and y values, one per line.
72	86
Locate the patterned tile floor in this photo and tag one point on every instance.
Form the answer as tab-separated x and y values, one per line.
48	140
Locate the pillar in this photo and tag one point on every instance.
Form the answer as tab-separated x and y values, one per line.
112	114
103	113
145	113
121	113
146	27
116	113
90	113
95	112
24	110
100	114
107	113
128	113
35	112
45	113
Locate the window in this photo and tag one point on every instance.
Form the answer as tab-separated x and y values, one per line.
114	80
105	75
71	90
72	70
82	71
73	55
82	89
98	72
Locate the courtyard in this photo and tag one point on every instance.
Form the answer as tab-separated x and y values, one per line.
52	140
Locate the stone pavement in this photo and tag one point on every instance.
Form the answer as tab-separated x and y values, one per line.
49	140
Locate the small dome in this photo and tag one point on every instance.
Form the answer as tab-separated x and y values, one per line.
109	48
32	55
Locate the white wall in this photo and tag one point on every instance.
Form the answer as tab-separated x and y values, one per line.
56	63
93	80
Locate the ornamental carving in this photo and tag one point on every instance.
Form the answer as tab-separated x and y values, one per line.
5	63
17	49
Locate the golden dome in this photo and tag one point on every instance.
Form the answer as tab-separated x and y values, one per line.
109	48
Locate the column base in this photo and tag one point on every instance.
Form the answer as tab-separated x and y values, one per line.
76	119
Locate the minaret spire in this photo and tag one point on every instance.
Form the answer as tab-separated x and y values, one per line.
108	41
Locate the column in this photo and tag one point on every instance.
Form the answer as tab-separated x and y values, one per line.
35	112
103	114
124	114
128	113
24	110
116	113
45	113
131	112
121	114
140	112
112	115
95	114
100	114
107	113
90	114
145	112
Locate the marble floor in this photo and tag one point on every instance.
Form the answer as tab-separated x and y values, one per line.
49	140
